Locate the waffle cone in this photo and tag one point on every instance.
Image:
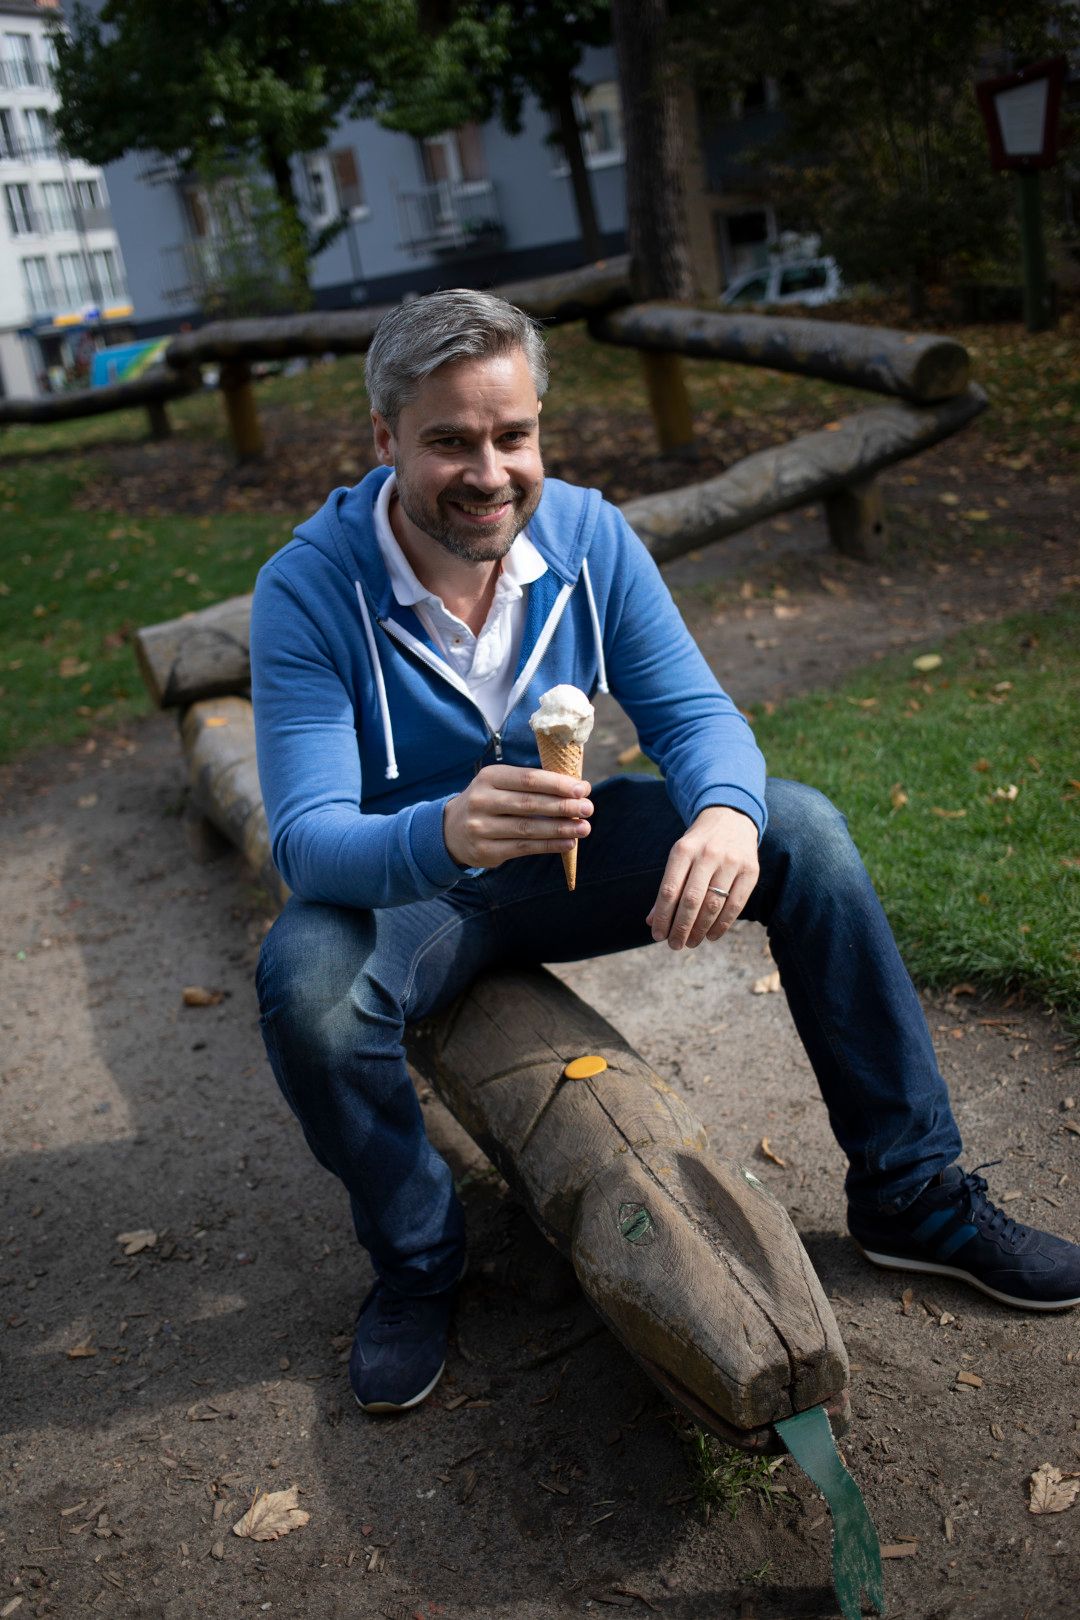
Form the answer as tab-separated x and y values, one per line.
566	758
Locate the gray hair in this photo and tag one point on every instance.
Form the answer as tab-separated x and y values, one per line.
418	336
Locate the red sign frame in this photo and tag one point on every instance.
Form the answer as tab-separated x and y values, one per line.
1054	70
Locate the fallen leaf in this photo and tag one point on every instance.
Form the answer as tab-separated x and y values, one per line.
926	662
946	815
136	1242
78	1351
9	1607
949	499
969	1380
196	996
977	515
71	666
949	1528
997	1431
1051	1490
905	1301
897	797
767	1153
86	801
981	765
218	1550
762	987
271	1515
900	1549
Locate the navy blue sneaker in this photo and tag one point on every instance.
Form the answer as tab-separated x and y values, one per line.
399	1348
954	1230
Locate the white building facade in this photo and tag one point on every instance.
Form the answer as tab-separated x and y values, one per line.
62	280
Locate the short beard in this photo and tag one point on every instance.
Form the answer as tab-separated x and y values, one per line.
439	527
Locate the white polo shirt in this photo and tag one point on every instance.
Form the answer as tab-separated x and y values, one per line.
486	663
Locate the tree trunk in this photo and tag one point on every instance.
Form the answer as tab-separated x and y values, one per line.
295	232
654	163
569	132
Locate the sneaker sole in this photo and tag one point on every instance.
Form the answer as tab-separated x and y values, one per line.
893	1262
399	1406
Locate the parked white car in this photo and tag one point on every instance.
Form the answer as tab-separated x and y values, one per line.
803	281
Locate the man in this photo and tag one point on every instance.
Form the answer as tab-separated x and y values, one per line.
399	644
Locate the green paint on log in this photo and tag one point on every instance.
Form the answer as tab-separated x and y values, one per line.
635	1223
856	1552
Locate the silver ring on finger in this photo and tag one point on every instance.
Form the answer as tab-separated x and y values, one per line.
714	890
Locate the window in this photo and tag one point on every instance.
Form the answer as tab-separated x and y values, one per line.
457	155
347	178
803	278
58	211
74	282
19	60
20	214
600	109
39	292
318	187
88	193
40	135
109	275
9	141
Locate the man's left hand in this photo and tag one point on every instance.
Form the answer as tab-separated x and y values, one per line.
719	851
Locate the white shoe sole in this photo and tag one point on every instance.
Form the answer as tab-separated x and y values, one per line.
399	1406
895	1263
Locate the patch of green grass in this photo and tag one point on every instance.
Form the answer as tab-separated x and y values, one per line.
962	790
725	1478
74	586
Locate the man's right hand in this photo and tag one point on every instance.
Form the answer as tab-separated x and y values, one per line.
512	810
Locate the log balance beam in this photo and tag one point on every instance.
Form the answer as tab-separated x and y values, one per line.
694	1266
152	391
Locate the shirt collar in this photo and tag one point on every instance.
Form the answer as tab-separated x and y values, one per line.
521	565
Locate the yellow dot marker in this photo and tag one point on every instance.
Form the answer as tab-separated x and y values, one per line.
584	1068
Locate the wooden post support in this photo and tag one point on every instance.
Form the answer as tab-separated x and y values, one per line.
240	410
158	417
669	401
856	520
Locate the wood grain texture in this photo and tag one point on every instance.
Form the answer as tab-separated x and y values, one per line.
202	655
920	367
805	469
218	738
693	1264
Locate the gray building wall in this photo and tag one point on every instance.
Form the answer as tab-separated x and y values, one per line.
532	191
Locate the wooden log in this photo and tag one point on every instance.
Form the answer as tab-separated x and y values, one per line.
669	401
218	739
692	1263
806	469
241	411
856	520
157	416
916	366
567	296
153	390
202	655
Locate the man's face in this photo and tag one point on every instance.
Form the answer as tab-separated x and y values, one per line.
466	451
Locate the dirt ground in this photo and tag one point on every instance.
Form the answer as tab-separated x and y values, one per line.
147	1395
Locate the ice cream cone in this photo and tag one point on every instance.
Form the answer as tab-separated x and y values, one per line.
566	758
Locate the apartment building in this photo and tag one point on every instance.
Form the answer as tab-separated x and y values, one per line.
62	280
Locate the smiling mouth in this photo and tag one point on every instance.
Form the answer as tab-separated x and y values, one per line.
472	510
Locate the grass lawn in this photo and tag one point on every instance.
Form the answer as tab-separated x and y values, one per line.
962	790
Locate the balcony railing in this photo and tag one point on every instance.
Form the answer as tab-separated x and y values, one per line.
18	74
27	151
227	275
451	218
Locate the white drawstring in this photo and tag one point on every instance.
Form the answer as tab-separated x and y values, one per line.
380	687
595	617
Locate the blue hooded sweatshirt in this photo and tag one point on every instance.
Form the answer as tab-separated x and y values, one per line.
364	732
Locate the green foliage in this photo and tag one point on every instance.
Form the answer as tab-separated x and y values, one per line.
486	59
725	1478
883	148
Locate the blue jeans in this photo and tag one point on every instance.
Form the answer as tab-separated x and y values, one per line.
337	986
